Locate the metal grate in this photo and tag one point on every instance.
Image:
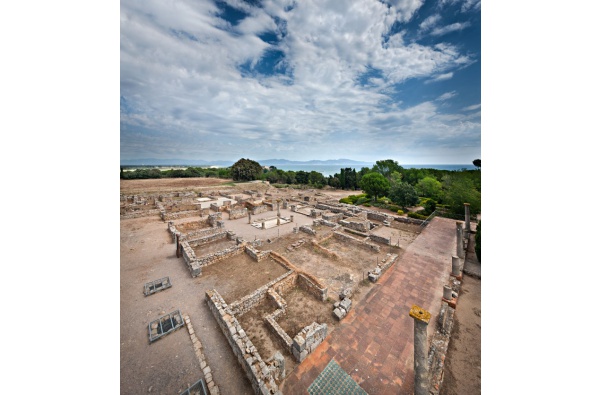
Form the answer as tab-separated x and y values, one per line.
165	325
333	380
156	285
198	388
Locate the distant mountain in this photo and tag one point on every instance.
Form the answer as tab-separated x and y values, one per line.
225	163
275	162
174	162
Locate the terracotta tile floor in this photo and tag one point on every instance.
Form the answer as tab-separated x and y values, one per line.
374	342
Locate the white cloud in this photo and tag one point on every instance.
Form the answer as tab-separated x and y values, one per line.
441	77
446	96
450	28
473	107
180	75
430	22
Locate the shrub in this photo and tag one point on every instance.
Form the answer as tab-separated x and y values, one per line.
367	205
345	200
416	215
393	207
400	212
361	200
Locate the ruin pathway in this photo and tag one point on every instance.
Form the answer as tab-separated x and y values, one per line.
374	343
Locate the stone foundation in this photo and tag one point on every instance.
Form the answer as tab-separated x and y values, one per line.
254	367
307	340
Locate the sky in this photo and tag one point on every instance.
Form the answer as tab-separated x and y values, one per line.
301	80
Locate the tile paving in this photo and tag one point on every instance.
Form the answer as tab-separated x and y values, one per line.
374	342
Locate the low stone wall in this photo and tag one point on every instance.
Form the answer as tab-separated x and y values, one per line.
173	231
282	337
380	239
260	209
326	251
197	234
377	216
308	339
361	226
190	259
308	229
220	255
254	367
257	255
218	235
238	213
407	220
347	238
214	218
439	348
382	267
312	286
333	217
140	213
168	216
245	304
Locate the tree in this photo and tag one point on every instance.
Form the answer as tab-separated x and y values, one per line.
387	167
246	170
477	163
317	179
458	191
403	194
429	187
375	184
302	177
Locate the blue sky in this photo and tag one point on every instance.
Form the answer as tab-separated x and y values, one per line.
301	80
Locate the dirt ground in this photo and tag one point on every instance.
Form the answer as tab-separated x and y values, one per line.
462	370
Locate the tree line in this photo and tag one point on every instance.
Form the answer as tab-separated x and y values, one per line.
387	184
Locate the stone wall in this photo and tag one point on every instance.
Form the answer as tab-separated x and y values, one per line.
254	367
333	217
380	239
312	286
408	220
257	255
220	255
214	218
197	234
140	213
361	226
308	229
218	235
238	213
282	337
190	259
308	339
259	209
347	238
245	304
377	216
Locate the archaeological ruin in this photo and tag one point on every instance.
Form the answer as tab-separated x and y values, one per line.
273	284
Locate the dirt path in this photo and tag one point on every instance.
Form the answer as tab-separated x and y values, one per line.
462	370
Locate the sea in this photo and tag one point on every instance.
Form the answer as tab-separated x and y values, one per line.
330	170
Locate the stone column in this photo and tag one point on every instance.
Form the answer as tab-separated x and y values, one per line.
278	213
421	320
447	292
460	245
467	218
249	217
455	266
291	218
263	225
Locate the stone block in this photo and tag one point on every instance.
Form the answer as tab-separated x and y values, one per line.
339	313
